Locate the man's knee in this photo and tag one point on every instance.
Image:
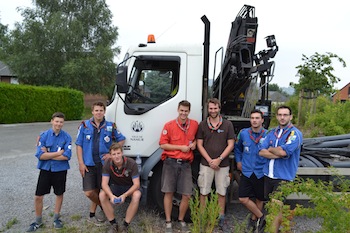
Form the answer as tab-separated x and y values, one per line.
136	196
102	195
38	198
91	193
244	200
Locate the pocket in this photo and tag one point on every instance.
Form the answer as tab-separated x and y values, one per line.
227	181
200	180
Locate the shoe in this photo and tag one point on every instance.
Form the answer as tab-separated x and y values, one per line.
261	222
113	228
125	229
34	226
251	226
168	228
95	221
57	224
222	225
183	226
100	216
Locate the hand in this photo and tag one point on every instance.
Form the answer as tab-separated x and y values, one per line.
214	163
83	169
43	149
192	146
106	156
239	166
185	149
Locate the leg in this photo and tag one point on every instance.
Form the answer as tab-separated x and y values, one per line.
168	205
252	207
203	200
133	206
222	202
58	205
95	201
183	206
38	203
106	205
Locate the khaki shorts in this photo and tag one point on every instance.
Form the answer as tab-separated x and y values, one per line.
207	175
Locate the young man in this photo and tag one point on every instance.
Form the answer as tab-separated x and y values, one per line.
53	152
251	165
95	136
215	141
120	179
282	149
178	142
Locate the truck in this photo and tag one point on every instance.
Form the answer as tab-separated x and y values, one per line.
153	78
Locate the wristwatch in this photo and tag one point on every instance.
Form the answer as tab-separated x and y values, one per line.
221	158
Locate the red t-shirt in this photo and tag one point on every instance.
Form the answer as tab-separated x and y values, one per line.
174	134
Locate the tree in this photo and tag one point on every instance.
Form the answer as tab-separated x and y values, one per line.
64	43
316	77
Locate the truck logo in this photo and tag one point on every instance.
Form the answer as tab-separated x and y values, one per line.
137	126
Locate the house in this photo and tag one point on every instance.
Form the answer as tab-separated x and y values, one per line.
6	75
343	94
277	98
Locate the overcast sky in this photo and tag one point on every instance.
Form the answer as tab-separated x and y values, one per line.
300	27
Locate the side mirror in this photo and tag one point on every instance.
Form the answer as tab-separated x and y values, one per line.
121	80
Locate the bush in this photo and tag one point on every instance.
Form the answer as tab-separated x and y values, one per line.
332	207
24	103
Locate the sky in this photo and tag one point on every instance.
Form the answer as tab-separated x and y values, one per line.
300	27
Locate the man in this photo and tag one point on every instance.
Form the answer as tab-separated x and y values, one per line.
120	179
282	149
251	165
178	142
95	136
215	141
54	150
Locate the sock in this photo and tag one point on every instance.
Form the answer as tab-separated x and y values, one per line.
126	224
182	222
112	221
56	216
39	219
92	215
168	224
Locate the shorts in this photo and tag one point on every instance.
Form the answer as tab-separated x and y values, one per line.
93	179
207	175
251	187
118	190
271	185
48	179
176	177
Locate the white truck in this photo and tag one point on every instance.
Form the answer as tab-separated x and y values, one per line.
154	78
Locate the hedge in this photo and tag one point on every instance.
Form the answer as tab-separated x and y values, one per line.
24	103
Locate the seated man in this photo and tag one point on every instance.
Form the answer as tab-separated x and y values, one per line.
120	179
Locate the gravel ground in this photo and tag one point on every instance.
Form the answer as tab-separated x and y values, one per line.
17	186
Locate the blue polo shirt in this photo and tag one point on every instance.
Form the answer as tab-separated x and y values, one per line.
246	151
290	140
54	143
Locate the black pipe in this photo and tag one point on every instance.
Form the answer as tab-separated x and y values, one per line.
206	46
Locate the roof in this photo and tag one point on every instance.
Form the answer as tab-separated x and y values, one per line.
5	70
276	96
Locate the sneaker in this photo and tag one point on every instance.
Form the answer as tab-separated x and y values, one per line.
57	224
95	221
100	216
261	222
184	227
113	228
168	228
251	226
34	226
222	225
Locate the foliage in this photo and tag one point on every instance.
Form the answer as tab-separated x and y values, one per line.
204	218
63	43
315	75
332	207
24	103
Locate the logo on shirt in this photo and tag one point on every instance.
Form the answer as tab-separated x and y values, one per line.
137	126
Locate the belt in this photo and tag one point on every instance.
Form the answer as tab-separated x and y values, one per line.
179	161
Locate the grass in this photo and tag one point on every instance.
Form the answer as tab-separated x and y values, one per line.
10	224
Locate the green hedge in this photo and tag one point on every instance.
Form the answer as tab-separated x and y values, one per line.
23	103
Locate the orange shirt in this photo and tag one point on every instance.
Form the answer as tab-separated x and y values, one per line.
173	134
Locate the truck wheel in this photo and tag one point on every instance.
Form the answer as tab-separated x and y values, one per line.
158	196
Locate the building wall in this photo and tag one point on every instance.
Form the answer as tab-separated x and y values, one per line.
343	94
